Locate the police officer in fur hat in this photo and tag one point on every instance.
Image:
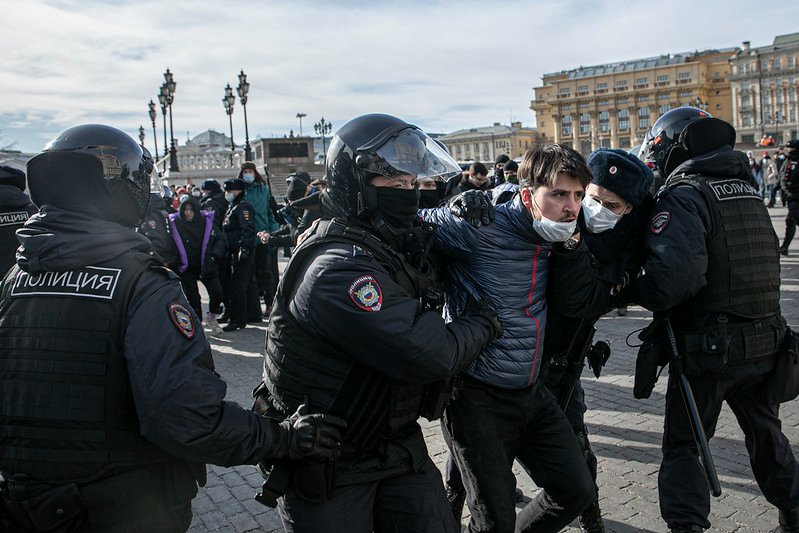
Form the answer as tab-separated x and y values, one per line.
609	250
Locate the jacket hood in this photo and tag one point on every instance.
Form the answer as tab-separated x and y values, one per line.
722	163
12	196
194	202
55	240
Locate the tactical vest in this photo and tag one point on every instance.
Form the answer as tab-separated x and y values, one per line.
299	365
743	271
66	409
11	219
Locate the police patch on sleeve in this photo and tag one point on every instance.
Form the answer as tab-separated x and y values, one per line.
245	214
181	318
659	222
366	294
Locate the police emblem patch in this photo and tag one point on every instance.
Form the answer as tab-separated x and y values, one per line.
182	319
659	222
366	294
151	223
246	215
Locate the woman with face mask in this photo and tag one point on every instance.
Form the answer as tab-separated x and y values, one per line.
257	193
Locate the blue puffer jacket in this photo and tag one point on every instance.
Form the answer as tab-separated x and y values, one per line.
505	262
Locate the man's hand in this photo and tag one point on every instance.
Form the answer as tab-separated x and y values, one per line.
264	236
311	436
472	206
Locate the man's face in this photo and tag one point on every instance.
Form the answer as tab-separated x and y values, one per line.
608	199
560	203
478	180
404	181
426	185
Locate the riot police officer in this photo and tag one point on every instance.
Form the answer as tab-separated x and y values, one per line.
348	333
712	269
156	227
109	404
239	228
15	209
790	183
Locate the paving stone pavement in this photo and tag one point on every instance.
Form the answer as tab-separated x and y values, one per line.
625	434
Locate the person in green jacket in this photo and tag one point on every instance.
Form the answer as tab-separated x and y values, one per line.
257	193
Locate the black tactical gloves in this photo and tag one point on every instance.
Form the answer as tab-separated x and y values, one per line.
483	308
316	437
473	206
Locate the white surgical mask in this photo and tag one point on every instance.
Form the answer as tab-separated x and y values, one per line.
549	229
229	196
248	177
598	218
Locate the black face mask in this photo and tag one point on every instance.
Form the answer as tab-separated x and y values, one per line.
398	207
429	198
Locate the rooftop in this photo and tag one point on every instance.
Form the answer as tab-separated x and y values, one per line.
636	64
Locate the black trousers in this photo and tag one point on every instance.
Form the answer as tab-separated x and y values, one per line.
413	502
486	428
238	274
266	272
790	221
683	489
188	280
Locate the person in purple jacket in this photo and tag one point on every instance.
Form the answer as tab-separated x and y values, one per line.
200	248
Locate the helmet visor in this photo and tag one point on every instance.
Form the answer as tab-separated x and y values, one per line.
412	152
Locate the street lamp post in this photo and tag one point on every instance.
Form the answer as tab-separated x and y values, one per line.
153	114
170	85
141	137
323	128
163	94
228	100
243	89
300	116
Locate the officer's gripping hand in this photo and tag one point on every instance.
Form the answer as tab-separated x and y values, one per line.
483	308
316	437
474	207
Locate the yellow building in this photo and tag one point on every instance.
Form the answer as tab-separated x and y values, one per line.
485	144
615	105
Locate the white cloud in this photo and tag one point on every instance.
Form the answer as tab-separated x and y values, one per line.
443	64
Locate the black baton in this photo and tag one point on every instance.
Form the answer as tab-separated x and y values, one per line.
693	415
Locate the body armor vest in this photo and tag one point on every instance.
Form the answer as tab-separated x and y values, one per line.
299	365
66	409
743	271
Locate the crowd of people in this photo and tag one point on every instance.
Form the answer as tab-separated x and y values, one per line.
227	236
417	289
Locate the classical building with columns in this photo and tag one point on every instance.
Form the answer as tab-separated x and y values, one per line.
614	105
486	143
764	82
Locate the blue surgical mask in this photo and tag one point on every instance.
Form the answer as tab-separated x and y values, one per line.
248	177
229	196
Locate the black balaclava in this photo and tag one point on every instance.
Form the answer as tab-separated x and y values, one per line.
398	207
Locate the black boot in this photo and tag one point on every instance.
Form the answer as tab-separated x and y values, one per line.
687	529
784	250
591	519
789	520
456	500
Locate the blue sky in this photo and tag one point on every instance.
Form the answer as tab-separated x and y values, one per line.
443	65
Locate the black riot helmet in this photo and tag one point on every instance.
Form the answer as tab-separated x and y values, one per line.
683	133
96	170
379	145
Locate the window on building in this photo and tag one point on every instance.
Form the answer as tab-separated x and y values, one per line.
663	108
585	123
643	123
584	105
582	88
604	121
641	81
642	98
778	63
664	96
683	75
764	65
792	62
621	101
601	86
746	120
624	142
624	119
643	111
685	94
258	151
564	90
602	103
621	83
566	107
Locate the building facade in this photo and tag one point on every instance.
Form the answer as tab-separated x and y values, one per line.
614	105
764	83
485	144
